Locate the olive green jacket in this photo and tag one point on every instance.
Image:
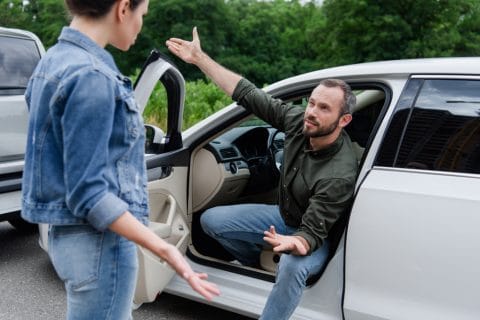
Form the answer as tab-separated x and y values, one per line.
316	187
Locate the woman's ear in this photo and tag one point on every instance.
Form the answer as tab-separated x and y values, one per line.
121	9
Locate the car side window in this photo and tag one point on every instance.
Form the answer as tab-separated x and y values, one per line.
18	58
443	128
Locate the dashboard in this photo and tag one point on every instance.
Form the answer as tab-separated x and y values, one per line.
236	165
244	146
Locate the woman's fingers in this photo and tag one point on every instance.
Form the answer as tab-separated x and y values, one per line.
202	276
207	289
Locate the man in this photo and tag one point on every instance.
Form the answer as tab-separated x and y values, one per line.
316	181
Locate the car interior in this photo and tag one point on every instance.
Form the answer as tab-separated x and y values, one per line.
236	161
240	165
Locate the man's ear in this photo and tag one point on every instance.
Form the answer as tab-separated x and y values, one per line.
121	8
345	120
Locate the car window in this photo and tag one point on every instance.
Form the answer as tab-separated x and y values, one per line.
443	128
370	102
18	58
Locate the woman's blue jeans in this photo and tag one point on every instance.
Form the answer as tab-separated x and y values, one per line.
99	270
239	228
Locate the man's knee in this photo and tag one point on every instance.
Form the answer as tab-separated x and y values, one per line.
210	220
291	268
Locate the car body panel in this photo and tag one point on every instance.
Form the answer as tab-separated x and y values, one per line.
409	249
394	75
438	257
10	201
167	198
13	109
14	124
168	220
19	59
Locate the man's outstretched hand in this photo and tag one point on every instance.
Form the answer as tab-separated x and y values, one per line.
191	52
188	51
280	243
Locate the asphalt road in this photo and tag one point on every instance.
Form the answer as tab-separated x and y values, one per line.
30	289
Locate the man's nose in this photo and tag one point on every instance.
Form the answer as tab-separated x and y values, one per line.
309	113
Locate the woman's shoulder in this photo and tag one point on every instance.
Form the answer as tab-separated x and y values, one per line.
72	61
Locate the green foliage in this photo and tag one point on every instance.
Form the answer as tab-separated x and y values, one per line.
12	14
369	30
266	41
176	18
202	99
269	42
45	18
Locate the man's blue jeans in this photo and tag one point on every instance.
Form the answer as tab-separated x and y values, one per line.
239	228
99	270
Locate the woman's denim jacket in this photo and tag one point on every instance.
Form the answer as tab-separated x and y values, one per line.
84	161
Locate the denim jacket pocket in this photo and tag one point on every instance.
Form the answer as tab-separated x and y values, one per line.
133	118
130	181
75	252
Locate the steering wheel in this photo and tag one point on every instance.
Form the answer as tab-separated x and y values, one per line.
275	151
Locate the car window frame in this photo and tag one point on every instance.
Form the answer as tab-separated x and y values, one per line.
19	88
407	100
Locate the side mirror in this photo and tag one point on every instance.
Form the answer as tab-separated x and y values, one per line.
154	137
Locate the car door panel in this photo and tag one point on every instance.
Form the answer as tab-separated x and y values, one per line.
383	264
167	174
168	219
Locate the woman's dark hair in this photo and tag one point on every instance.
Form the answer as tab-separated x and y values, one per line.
95	8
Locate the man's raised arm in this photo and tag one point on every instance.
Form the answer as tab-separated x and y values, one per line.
191	52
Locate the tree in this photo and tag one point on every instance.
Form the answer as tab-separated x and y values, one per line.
45	18
176	18
469	30
12	14
368	30
270	40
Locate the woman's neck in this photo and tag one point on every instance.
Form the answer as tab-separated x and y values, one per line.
95	29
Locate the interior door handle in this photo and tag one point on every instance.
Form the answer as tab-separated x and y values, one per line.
171	211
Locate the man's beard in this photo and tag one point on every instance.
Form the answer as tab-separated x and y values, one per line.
321	131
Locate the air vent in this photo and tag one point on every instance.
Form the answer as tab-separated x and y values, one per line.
228	153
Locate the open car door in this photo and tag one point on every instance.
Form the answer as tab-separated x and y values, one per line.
167	169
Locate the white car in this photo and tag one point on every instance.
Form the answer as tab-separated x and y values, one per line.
409	249
20	52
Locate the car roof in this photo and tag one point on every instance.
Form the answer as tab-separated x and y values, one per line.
17	33
389	69
23	34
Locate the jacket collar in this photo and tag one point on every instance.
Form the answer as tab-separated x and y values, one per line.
327	151
79	39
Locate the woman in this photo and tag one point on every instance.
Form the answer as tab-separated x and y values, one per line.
84	170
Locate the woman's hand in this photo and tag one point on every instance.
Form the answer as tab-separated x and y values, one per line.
198	281
129	227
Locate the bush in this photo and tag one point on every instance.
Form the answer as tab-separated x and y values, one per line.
203	98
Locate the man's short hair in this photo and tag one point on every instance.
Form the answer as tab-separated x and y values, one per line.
349	98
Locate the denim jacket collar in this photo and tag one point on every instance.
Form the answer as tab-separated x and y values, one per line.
79	39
